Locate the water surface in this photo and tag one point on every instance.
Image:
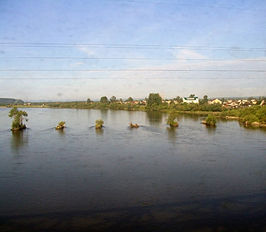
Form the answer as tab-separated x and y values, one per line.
153	173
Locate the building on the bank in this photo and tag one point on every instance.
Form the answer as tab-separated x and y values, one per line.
215	101
191	100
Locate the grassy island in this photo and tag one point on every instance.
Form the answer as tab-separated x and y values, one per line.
99	124
210	120
61	125
172	120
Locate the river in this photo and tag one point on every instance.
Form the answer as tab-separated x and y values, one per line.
152	177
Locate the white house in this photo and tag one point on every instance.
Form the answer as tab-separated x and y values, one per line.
191	100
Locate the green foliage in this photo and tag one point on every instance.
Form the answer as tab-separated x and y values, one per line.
104	99
89	100
192	95
113	99
130	99
172	119
211	120
154	100
18	117
197	107
61	125
204	100
99	123
178	99
248	114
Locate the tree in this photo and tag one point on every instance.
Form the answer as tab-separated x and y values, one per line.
18	117
171	120
154	99
178	99
104	99
192	95
210	120
89	100
205	99
113	99
130	99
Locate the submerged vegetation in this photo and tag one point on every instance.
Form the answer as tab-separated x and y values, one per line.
172	119
61	125
18	117
99	124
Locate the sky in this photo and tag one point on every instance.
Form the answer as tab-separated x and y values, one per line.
74	50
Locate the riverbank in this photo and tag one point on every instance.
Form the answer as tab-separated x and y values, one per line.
254	116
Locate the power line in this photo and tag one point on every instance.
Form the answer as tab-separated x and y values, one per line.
124	78
128	46
131	70
124	58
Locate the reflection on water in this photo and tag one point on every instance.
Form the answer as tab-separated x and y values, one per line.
19	139
194	117
172	134
154	117
99	132
211	129
104	114
61	133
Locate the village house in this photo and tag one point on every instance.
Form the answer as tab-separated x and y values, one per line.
215	101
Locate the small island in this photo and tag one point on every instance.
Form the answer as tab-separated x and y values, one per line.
18	117
61	125
172	120
210	120
131	125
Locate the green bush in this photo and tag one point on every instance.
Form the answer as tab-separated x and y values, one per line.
211	120
99	123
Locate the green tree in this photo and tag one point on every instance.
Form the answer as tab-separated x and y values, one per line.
104	99
113	99
154	99
89	100
130	99
178	99
204	100
192	95
18	117
172	120
211	120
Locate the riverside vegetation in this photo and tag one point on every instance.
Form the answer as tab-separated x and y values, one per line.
249	116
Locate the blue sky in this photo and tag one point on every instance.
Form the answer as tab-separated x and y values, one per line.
167	23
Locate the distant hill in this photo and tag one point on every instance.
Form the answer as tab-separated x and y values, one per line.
7	101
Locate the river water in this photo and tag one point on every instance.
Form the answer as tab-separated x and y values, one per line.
152	177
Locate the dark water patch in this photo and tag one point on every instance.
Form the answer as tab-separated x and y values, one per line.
241	213
150	178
